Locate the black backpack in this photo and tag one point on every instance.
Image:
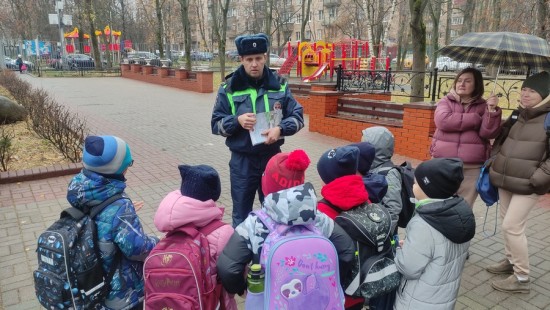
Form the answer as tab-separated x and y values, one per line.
70	273
406	171
374	272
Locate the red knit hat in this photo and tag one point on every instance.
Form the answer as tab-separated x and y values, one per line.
284	170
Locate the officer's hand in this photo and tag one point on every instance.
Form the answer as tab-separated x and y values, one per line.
247	120
272	134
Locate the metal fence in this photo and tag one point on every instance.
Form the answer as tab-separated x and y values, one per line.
436	84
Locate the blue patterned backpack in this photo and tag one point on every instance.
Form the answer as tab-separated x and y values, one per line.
70	273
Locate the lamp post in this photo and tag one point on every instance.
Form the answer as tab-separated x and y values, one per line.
59	8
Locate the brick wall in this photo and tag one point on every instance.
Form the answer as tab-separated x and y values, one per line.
413	139
201	82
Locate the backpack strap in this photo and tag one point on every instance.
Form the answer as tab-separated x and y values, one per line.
330	205
210	227
547	129
78	214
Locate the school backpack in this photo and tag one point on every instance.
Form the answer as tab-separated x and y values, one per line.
70	273
374	273
301	268
178	272
406	171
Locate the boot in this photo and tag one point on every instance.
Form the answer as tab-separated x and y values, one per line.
502	267
512	285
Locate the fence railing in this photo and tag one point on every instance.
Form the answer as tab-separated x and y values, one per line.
436	84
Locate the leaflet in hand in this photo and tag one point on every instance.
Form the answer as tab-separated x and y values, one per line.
265	120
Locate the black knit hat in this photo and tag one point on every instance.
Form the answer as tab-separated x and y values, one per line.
539	82
440	177
338	162
200	182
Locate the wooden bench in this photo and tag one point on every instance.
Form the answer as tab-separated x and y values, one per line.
369	110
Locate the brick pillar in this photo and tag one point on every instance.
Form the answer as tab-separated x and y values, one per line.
147	70
163	71
322	103
205	81
323	86
136	68
124	67
418	129
182	74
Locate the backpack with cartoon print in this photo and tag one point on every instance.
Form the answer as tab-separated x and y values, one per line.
301	268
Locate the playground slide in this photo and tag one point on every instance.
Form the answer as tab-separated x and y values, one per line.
317	73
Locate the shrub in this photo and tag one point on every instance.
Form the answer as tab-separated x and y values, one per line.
6	150
47	118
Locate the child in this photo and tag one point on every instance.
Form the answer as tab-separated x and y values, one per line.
432	256
383	141
287	201
106	160
375	183
195	203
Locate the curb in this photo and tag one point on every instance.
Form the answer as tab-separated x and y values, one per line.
39	173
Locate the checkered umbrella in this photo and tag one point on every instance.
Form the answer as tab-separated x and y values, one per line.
502	49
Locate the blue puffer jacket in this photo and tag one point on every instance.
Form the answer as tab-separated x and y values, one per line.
118	229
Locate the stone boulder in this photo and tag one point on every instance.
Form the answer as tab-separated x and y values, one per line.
11	112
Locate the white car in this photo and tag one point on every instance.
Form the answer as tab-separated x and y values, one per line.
275	60
447	64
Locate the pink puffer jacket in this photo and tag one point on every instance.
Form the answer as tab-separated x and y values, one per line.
464	131
176	210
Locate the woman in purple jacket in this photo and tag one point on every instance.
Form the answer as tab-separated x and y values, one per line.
465	122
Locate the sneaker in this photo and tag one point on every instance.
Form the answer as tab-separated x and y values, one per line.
512	285
502	267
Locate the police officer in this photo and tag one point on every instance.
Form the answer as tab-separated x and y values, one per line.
253	88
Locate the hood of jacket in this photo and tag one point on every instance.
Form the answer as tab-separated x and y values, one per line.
383	141
293	206
346	192
452	217
239	80
176	210
88	189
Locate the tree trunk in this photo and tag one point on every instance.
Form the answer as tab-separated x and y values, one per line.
219	22
542	18
184	6
435	14
449	20
95	46
159	34
305	18
495	22
468	16
418	31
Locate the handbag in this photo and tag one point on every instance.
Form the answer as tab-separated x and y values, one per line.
488	193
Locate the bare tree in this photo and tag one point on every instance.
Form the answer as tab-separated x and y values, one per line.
219	22
542	18
497	12
306	11
468	16
418	31
184	5
448	21
435	15
159	34
90	14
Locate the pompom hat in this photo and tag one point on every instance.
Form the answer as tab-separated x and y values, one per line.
106	155
284	170
200	182
338	162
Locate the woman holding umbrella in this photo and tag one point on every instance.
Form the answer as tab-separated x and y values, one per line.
521	171
465	122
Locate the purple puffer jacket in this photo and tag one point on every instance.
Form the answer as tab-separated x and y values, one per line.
464	131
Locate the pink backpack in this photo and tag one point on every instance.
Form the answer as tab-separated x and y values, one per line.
177	272
301	268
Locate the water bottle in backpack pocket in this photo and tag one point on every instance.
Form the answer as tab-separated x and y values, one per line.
301	268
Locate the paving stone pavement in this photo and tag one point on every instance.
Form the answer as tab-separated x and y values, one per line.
166	127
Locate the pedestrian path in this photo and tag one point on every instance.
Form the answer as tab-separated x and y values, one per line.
166	127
